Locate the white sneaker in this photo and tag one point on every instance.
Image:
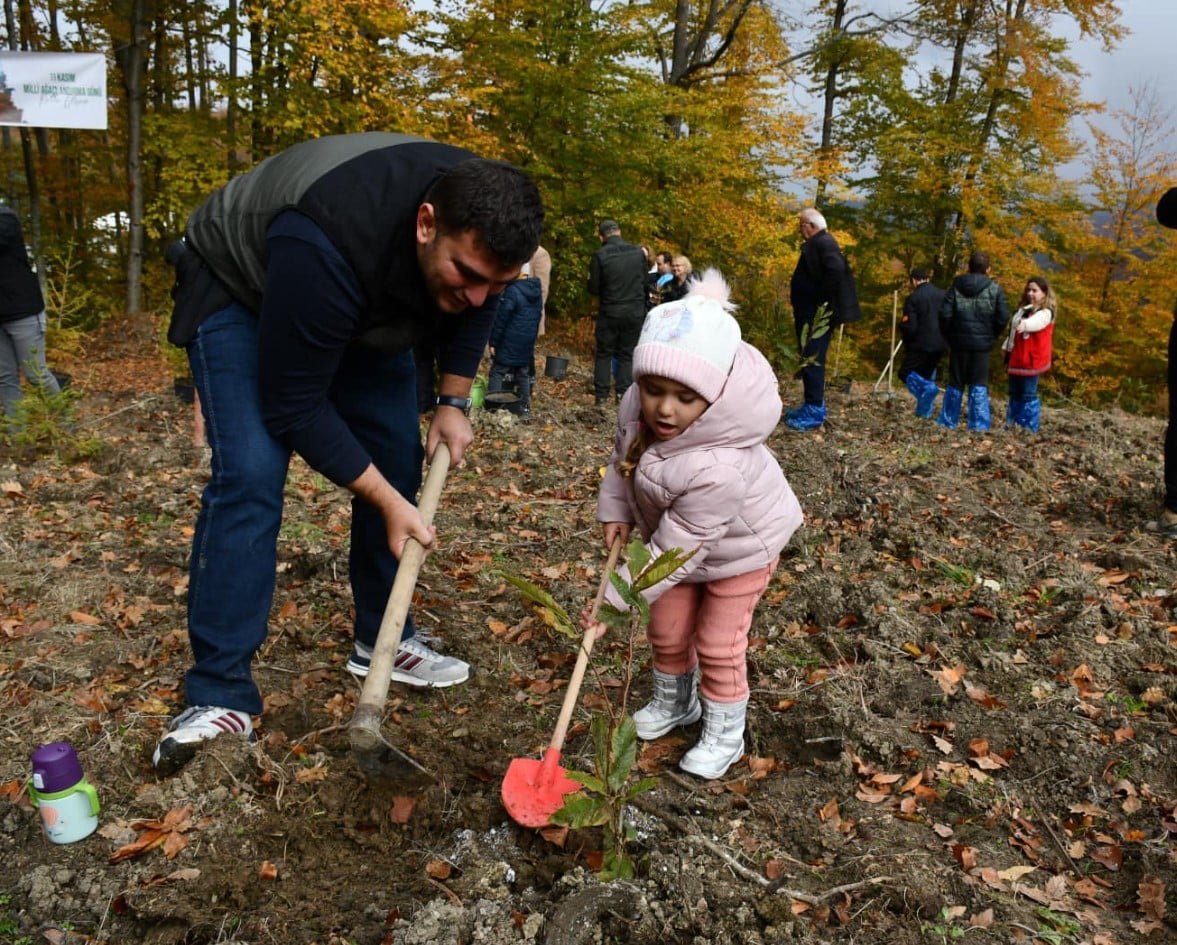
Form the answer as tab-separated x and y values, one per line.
416	664
193	726
722	742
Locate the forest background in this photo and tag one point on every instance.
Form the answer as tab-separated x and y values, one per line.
943	127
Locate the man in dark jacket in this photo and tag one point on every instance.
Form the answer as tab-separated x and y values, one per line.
617	276
972	317
822	282
302	288
22	318
923	343
1167	523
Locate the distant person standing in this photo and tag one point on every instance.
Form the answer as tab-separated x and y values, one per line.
923	342
617	277
676	287
512	339
658	280
1166	524
973	316
22	318
1027	352
541	268
822	277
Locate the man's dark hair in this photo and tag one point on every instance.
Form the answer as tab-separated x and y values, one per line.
494	199
919	274
979	262
665	258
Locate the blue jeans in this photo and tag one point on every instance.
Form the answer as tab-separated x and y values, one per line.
234	550
22	351
1023	388
813	374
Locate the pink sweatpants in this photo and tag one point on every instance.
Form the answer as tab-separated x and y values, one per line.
707	624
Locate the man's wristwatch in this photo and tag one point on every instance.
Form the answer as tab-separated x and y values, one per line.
447	400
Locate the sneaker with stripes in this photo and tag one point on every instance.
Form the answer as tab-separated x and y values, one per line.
196	725
416	664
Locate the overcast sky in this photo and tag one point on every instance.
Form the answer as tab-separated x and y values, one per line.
1145	56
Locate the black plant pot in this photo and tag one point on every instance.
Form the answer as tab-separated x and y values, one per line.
185	389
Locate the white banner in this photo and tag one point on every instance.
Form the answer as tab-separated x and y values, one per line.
52	90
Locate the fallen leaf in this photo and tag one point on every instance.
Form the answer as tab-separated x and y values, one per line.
1111	858
965	855
1151	892
774	869
761	767
168	832
439	869
557	836
402	809
982	698
949	678
267	871
982	920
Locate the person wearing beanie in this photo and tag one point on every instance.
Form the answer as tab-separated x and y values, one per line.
1166	524
690	470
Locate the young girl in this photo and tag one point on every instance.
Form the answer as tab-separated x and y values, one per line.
1027	352
690	470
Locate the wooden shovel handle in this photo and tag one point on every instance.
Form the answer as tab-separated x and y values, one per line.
582	658
396	611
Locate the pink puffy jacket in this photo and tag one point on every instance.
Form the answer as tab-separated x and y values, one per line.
715	486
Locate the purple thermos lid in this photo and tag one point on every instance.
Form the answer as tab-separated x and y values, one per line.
56	767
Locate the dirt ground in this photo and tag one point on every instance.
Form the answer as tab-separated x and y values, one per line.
964	699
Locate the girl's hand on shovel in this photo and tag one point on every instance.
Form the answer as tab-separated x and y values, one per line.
590	621
617	531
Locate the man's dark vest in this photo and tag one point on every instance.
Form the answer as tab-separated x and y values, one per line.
363	191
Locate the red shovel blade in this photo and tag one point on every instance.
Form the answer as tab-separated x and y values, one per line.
534	790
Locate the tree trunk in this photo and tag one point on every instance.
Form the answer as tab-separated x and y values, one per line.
133	79
231	107
830	95
26	147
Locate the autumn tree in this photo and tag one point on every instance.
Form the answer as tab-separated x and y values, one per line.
1116	269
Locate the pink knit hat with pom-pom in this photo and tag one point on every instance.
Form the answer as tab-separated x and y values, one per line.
693	340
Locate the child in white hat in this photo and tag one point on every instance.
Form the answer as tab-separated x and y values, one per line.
691	470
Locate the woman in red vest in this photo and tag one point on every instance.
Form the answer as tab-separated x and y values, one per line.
1027	352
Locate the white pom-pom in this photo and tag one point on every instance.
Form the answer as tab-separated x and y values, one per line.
711	285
